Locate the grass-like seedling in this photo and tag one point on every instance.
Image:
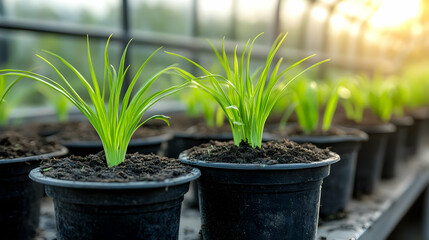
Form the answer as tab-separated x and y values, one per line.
415	81
60	103
363	92
354	98
199	103
380	97
8	105
245	98
116	120
310	97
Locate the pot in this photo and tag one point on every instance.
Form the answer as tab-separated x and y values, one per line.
257	201
337	188
396	147
417	135
370	158
20	197
100	210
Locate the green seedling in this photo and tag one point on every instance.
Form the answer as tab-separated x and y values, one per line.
60	103
380	97
310	98
7	105
116	120
245	98
354	98
199	103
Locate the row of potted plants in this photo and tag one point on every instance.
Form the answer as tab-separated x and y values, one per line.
248	189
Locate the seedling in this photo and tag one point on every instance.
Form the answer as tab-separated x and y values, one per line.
246	99
116	120
60	103
11	102
354	99
363	92
310	98
199	103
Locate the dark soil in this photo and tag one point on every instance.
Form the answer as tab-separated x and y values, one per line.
273	152
295	130
83	131
93	168
15	145
419	113
182	123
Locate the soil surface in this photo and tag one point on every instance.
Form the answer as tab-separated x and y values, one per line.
83	131
273	152
15	145
93	168
419	113
182	123
295	130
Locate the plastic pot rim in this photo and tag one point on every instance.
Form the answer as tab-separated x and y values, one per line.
58	153
37	176
183	157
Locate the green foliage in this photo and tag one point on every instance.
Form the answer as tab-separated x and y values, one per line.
6	106
415	81
245	98
199	103
400	95
60	103
376	94
116	121
354	98
380	97
310	97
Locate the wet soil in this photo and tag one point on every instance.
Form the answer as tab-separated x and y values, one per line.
93	168
273	152
16	145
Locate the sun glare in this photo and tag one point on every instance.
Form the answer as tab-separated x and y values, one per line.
394	13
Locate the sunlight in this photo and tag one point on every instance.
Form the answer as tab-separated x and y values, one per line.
394	13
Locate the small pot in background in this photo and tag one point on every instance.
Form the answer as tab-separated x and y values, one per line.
370	157
396	150
337	188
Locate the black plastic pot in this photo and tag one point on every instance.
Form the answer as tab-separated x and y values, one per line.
370	158
396	147
20	197
182	141
337	188
254	201
144	145
134	210
417	135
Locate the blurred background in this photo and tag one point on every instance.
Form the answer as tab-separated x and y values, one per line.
357	35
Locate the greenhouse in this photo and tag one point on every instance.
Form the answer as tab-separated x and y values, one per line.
224	120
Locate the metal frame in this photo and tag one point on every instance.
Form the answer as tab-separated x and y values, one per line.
196	44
